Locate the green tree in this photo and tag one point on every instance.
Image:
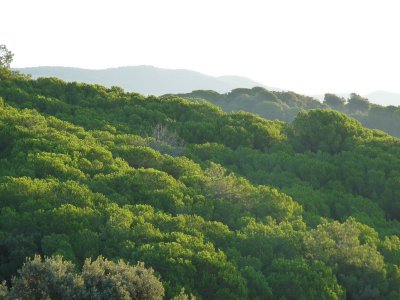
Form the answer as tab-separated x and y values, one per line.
6	57
334	101
52	278
325	130
104	279
356	103
297	279
350	250
55	278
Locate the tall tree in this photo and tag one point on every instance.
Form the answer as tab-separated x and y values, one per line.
334	101
356	103
6	57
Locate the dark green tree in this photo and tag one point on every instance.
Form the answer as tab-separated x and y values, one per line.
335	102
356	103
6	57
328	131
297	279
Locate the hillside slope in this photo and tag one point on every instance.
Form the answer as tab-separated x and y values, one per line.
224	205
284	106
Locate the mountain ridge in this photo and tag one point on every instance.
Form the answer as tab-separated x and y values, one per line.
151	80
145	79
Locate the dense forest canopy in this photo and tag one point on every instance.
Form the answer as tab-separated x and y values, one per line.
285	106
213	205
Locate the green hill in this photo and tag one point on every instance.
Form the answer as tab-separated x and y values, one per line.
284	106
224	205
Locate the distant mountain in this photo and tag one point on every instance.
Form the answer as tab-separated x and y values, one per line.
384	98
146	79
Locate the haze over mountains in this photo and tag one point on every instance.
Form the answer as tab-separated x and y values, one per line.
146	79
384	98
150	80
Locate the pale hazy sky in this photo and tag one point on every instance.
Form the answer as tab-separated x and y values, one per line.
309	46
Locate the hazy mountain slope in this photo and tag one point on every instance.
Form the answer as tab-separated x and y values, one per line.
145	79
240	81
156	81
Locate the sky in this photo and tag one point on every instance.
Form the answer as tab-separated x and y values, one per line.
308	46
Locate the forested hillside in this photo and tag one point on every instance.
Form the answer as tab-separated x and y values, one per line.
285	106
213	205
